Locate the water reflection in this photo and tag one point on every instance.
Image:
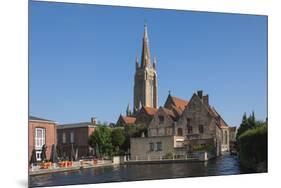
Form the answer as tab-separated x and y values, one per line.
224	165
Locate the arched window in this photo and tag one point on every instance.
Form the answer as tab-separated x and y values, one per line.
179	131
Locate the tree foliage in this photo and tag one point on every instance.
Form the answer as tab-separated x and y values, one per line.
100	140
133	131
247	123
117	138
252	143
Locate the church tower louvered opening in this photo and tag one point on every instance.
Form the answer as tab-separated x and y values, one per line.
145	84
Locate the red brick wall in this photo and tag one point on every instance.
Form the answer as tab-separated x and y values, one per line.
50	136
81	138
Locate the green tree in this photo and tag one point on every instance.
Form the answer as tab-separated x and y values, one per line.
117	138
133	131
100	140
247	123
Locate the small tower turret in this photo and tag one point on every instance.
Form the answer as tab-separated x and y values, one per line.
154	62
137	63
128	110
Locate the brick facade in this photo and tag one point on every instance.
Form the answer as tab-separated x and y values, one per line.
76	136
49	128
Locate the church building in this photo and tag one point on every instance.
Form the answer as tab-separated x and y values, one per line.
145	102
180	126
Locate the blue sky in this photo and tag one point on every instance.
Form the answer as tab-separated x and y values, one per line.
82	59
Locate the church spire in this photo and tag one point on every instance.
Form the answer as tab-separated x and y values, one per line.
145	57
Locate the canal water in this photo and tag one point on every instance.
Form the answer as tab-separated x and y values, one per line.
223	165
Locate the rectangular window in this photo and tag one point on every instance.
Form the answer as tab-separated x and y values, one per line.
201	129
187	122
189	129
63	138
39	137
151	146
161	119
38	155
159	146
72	137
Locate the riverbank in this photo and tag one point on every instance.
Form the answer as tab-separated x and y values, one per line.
164	161
222	165
76	166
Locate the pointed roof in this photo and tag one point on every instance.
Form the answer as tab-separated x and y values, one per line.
128	120
212	111
145	57
150	111
179	103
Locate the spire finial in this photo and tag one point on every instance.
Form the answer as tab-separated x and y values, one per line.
145	30
169	91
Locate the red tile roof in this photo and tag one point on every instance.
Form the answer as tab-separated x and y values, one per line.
150	111
180	103
128	120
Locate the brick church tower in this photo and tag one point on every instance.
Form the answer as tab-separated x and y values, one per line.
145	85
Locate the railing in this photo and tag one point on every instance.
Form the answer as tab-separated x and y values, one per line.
159	157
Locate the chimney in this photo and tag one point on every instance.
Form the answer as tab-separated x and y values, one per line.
206	100
200	93
93	120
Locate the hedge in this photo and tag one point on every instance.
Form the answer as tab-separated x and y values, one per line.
253	148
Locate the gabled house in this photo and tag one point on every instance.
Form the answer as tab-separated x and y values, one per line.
124	121
185	126
162	123
145	115
202	125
